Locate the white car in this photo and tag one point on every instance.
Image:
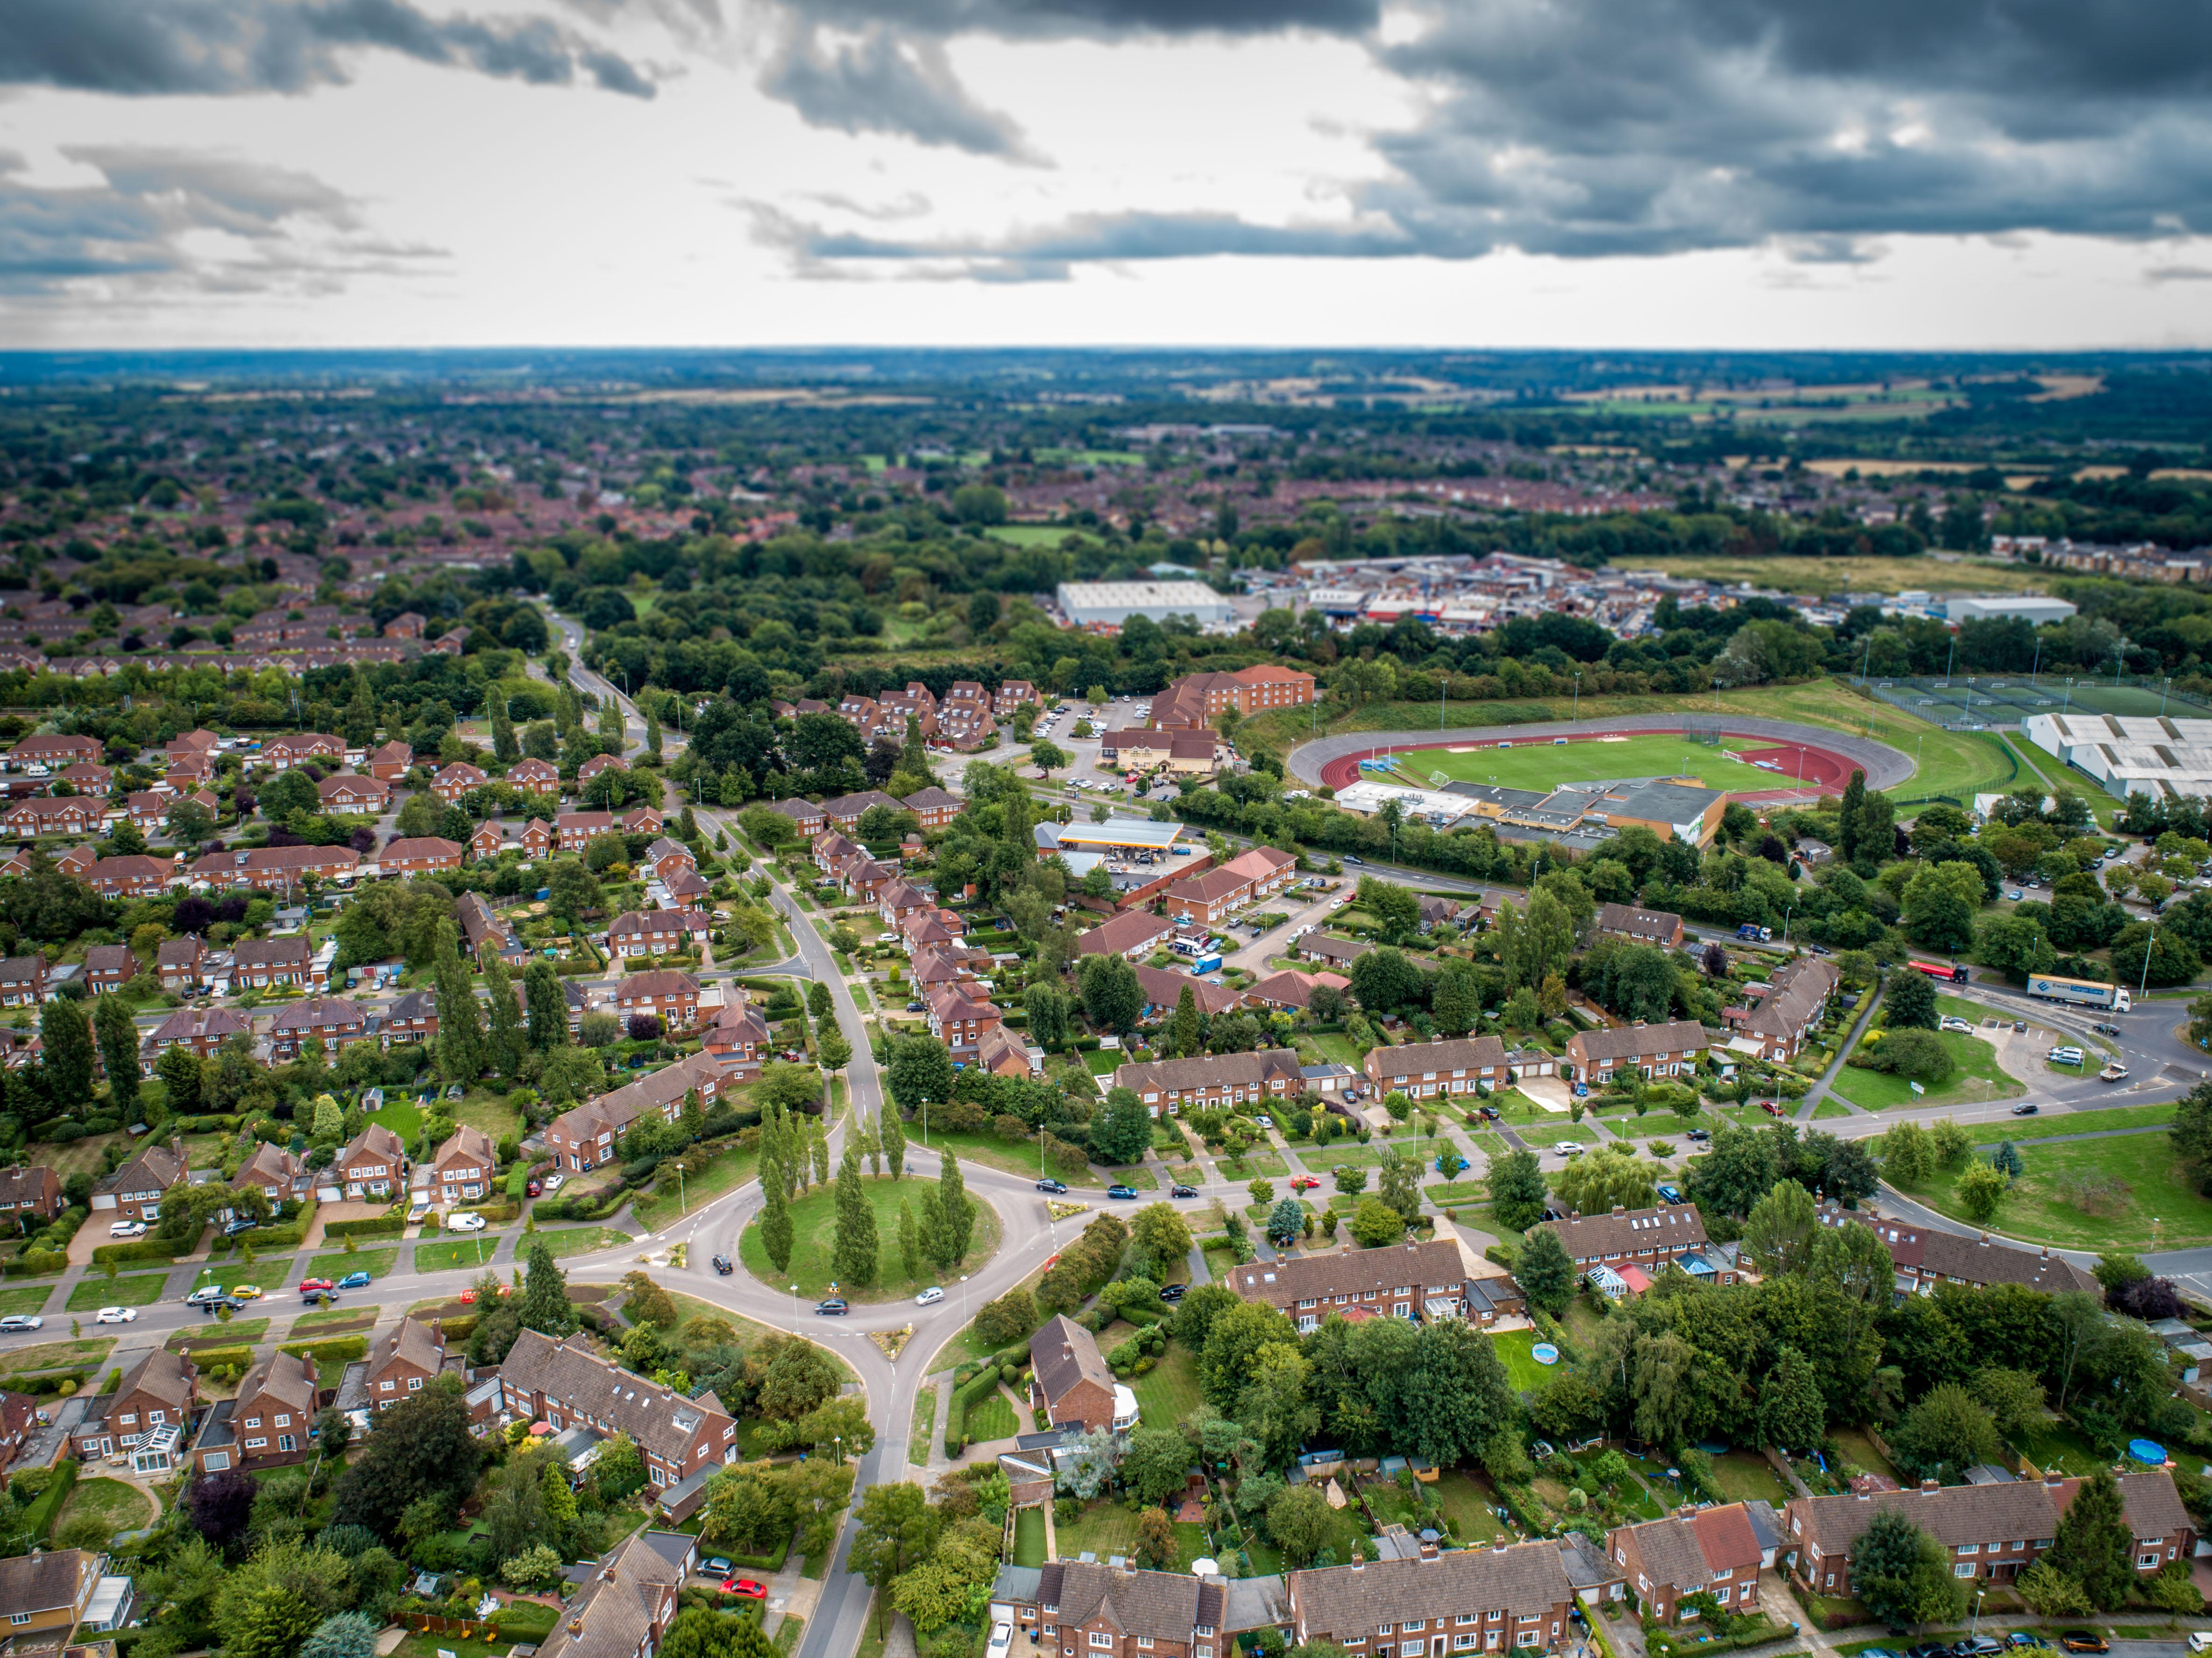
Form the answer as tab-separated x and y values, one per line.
1568	1148
127	1229
15	1323
464	1223
116	1315
2065	1056
929	1298
1952	1022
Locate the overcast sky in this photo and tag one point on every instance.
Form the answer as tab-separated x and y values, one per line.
1573	173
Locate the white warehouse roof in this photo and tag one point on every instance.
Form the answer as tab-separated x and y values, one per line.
1115	602
2030	607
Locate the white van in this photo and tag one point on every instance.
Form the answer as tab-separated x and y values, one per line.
2199	1639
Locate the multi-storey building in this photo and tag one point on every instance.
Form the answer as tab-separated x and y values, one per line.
1200	699
55	752
1495	1600
1213	1079
1423	1070
1207	897
806	817
69	814
283	753
547	1380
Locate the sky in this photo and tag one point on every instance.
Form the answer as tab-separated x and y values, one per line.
1585	173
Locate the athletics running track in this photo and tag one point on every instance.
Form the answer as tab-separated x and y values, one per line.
1826	758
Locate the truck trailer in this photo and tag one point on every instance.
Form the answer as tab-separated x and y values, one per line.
2082	993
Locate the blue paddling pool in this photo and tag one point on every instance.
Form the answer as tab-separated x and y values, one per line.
2148	1451
1545	1353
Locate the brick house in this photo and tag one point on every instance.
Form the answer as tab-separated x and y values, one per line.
1269	869
22	981
1991	1532
538	838
55	753
586	1135
276	1174
177	964
1289	991
46	1595
1783	1013
338	1021
574	829
455	781
73	814
1705	1551
598	763
133	876
373	1166
266	963
1672	1049
1268	1073
1423	1070
147	809
1413	1281
739	1037
830	849
411	1018
1648	926
806	816
933	807
549	1381
623	1607
1208	897
1339	953
1083	1606
349	792
108	968
846	810
36	1190
202	1031
283	753
1132	933
482	932
77	861
408	624
487	841
429	854
391	763
160	1389
1184	753
273	868
267	1424
405	1360
1648	1239
642	820
1012	694
1494	1599
667	991
1925	1258
538	776
463	1168
1070	1381
134	1192
655	932
961	1021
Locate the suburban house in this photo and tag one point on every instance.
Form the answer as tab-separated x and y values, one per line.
1925	1258
1672	1049
266	963
1424	1070
806	816
55	752
1693	1551
624	1606
1207	897
108	968
1132	933
586	1135
1071	1384
1164	988
350	793
574	830
267	1424
480	930
1436	912
1214	1078
1645	1239
464	1166
959	1020
405	1360
411	1018
177	962
391	763
46	1595
455	781
373	1166
36	1190
1992	1533
283	753
134	1191
1415	1281
933	807
1494	1599
22	981
201	1030
656	932
1269	869
1783	1011
1085	1606
275	1173
1339	953
678	1435
739	1037
670	995
425	854
161	1389
273	868
133	876
538	838
1648	926
339	1023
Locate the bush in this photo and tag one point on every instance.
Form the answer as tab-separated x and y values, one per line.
382	1226
148	1249
343	1349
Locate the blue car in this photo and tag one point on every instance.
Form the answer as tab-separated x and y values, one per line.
354	1281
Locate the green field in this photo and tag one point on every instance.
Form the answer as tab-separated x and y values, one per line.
377	1263
813	1227
1543	763
2141	1179
1521	1367
1167	1395
139	1289
474	1251
575	1241
1976	1075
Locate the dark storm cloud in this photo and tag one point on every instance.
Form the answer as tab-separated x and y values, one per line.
227	46
1036	20
878	84
142	229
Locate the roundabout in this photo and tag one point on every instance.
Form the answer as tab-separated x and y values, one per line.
1749	758
814	1237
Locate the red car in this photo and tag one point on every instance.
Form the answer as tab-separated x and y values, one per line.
533	1188
1303	1182
744	1586
309	1286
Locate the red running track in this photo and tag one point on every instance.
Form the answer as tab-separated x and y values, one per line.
1822	770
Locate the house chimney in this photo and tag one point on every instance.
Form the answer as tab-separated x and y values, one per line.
2053	1479
1428	1545
1931	1484
1985	1239
1620	1209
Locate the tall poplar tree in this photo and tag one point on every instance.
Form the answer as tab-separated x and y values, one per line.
548	1006
959	1212
909	1243
1847	817
508	1041
854	1253
819	1143
503	745
776	1215
460	1024
119	1050
893	1132
1184	1037
65	1038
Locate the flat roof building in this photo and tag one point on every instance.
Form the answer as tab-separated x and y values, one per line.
1116	834
1110	604
2029	607
2130	755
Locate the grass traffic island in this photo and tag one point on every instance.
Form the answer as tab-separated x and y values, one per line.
573	1241
814	1230
2098	1195
1975	1076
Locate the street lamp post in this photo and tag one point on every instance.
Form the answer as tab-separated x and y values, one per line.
1975	1629
795	1306
963	1297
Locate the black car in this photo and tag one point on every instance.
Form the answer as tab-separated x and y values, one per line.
1975	1646
1172	1291
833	1308
1821	950
1056	1188
1928	1650
1698	1134
722	1265
1183	1192
231	1302
2027	1109
317	1297
1488	1113
1120	1191
2105	1029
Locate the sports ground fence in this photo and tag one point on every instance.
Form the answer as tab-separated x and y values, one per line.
1975	702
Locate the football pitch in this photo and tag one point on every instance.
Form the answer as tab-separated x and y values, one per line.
1541	764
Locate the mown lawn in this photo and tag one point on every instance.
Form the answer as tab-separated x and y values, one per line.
1468	1504
25	1298
1975	1076
1521	1367
1167	1395
814	1226
475	1251
728	1170
138	1290
262	1274
577	1241
116	1505
991	1417
377	1263
1029	1538
1746	1476
2093	1194
2043	1125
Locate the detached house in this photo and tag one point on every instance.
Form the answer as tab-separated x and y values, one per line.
160	1389
404	1361
933	807
391	763
463	1168
1071	1384
373	1166
455	781
349	792
1649	927
574	830
275	1173
268	1424
36	1190
134	1192
411	1018
538	776
22	981
739	1037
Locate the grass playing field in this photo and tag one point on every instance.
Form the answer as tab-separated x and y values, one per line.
1542	764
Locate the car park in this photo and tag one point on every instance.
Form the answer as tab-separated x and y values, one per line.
355	1281
1121	1192
2027	1109
116	1315
930	1296
1053	1187
833	1308
16	1322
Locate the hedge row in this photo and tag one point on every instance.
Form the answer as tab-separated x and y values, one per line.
972	1392
139	1249
37	1264
343	1348
383	1226
39	1518
206	1358
290	1234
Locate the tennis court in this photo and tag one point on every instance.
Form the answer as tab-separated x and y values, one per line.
2006	701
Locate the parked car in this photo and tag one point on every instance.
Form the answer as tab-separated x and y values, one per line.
2025	1637
308	1286
1182	1191
553	1182
1488	1113
716	1566
531	1188
930	1296
2026	1109
355	1281
204	1293
1173	1291
127	1229
1699	1134
15	1323
1056	1188
2064	1055
744	1586
833	1308
1568	1148
1121	1192
722	1265
464	1222
223	1298
2015	895
2074	1640
1975	1646
239	1224
116	1315
1953	1021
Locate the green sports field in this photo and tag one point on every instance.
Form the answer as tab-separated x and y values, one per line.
1541	764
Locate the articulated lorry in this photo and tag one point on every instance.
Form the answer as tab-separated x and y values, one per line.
2082	993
